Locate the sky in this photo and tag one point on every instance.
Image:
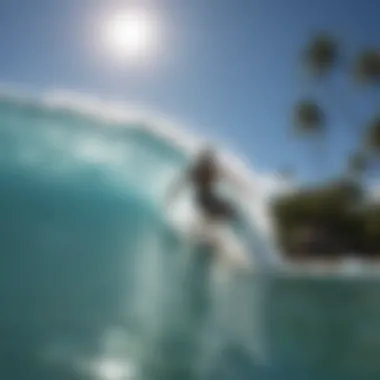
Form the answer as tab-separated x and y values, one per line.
227	68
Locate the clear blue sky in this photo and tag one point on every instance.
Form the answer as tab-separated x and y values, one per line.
230	66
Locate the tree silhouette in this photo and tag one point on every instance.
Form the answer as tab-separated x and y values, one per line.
338	208
309	121
367	67
309	117
373	136
321	55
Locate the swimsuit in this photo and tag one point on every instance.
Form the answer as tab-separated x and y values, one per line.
214	206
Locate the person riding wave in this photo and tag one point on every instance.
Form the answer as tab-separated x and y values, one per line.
205	174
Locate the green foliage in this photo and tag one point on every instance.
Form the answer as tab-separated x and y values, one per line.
308	116
373	135
334	218
371	230
321	54
367	67
336	215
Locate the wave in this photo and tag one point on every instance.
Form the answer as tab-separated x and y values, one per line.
83	231
107	122
95	283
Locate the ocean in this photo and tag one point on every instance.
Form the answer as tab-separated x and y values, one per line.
97	283
94	281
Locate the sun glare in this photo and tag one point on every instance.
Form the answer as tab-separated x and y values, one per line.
130	34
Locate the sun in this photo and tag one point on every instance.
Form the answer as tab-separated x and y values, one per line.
130	34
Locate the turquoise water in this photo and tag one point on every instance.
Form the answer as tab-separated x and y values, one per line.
95	284
93	280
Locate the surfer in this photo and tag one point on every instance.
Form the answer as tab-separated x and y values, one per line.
204	175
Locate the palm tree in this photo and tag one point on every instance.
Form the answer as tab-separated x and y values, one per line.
310	121
321	54
309	117
320	57
367	67
367	72
373	136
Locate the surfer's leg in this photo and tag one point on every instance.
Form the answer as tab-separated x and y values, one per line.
218	233
230	248
197	240
215	228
